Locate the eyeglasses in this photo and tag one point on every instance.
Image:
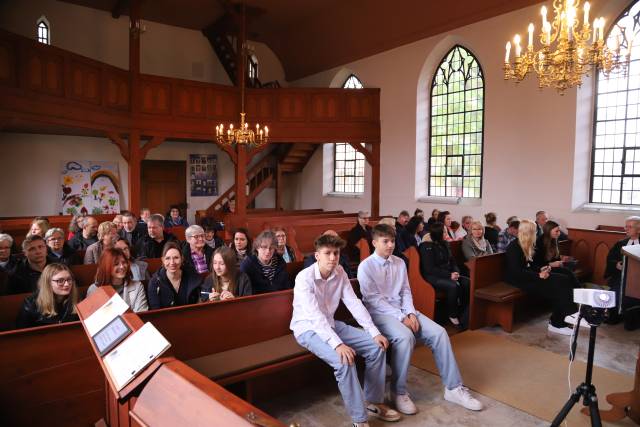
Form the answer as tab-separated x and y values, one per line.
55	239
198	236
266	248
62	281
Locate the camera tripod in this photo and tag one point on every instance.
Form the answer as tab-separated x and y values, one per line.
586	390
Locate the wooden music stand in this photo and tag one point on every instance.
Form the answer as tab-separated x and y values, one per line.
168	392
627	404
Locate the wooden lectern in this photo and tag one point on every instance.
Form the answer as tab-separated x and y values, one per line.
628	404
168	392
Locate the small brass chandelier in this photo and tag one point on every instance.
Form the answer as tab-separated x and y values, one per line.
243	134
569	51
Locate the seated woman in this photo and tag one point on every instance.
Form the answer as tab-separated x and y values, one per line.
411	234
8	261
173	219
139	268
522	273
492	229
210	237
117	221
433	218
439	268
172	285
58	250
266	269
286	252
39	226
474	244
241	244
548	253
75	225
362	230
444	217
195	252
107	237
53	302
226	281
113	270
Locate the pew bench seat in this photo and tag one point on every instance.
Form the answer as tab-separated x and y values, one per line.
498	304
250	361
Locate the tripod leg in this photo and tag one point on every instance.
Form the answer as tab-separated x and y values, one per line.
594	411
575	397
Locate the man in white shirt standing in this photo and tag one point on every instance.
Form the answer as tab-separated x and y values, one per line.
317	293
386	294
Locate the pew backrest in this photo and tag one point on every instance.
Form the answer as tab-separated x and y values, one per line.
591	247
423	294
85	274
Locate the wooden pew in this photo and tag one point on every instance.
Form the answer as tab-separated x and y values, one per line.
590	248
154	264
423	294
610	228
85	274
19	226
177	231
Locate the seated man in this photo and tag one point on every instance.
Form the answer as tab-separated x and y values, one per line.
151	245
129	231
141	225
613	273
8	261
25	276
317	293
386	294
508	235
403	220
362	230
541	219
310	259
81	241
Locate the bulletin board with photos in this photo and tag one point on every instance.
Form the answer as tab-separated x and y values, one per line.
203	173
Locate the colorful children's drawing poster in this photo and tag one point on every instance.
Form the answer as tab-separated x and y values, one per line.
90	187
203	173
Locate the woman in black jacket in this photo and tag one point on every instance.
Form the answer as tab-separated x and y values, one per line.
173	285
524	274
54	301
266	269
439	268
548	253
411	234
225	280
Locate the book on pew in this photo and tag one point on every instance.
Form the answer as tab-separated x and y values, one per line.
134	354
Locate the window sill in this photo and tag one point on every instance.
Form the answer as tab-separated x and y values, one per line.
602	208
346	195
465	201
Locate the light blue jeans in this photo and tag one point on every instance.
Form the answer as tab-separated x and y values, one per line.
403	341
346	375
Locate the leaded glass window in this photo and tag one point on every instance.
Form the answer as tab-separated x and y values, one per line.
457	126
348	167
43	32
615	157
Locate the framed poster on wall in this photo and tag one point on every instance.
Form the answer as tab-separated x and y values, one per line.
203	174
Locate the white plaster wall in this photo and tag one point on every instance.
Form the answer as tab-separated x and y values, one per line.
30	172
530	135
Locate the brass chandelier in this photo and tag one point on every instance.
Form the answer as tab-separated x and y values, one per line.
569	50
243	134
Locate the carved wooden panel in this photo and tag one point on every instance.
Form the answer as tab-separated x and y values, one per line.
44	72
292	107
8	63
190	101
84	82
600	263
156	97
116	89
259	106
325	107
223	104
360	106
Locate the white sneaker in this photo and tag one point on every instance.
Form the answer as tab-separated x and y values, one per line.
562	331
360	424
572	319
404	404
454	320
462	397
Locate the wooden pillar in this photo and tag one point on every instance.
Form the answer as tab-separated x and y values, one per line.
241	180
134	55
278	187
135	179
375	179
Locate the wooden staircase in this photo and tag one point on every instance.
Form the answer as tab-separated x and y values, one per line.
222	46
296	157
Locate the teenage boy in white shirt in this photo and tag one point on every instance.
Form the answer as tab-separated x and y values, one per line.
386	294
317	293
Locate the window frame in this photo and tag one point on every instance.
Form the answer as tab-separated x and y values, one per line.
430	125
47	26
352	76
357	156
625	148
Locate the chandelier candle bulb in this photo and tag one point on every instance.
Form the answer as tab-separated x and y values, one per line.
587	8
543	12
516	41
506	56
530	45
601	29
266	131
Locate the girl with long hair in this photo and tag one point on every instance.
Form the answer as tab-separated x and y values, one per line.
225	280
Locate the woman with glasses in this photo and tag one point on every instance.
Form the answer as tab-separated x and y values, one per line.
58	250
285	251
107	236
196	254
266	269
113	270
54	301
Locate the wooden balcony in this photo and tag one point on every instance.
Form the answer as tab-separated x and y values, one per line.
50	90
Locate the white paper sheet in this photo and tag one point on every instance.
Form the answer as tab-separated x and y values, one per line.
105	314
134	354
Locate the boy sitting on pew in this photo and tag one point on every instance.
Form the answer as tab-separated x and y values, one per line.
386	294
317	293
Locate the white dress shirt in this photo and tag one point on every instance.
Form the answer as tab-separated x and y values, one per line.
315	301
385	286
